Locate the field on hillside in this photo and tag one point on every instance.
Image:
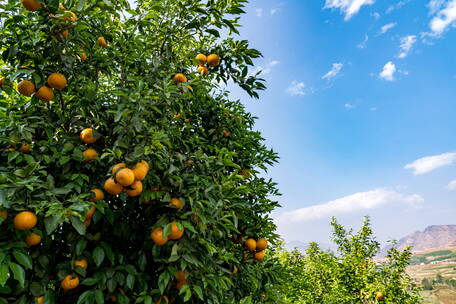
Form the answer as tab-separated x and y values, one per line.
442	292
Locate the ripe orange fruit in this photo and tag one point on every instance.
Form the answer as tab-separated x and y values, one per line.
25	220
70	282
65	34
40	300
83	56
57	81
235	269
89	155
112	187
179	77
162	300
181	275
157	236
261	244
141	170
125	177
87	136
33	239
102	42
250	244
201	58
72	16
203	70
81	263
213	60
176	203
31	5
4	214
90	213
117	167
176	233
136	189
226	133
99	195
45	94
87	222
25	148
2	81
259	256
181	284
379	296
26	87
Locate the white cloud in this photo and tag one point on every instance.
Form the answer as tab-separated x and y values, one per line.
387	27
388	71
335	70
452	185
373	109
363	44
351	203
375	15
435	5
430	163
407	43
296	88
273	63
445	16
265	70
349	106
397	6
348	7
274	10
259	12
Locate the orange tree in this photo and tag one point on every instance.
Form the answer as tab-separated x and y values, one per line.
352	275
126	173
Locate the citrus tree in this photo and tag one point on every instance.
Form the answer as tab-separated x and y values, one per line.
126	172
351	275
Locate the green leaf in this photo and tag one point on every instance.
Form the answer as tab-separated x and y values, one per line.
18	273
23	259
51	223
80	246
4	274
99	297
84	296
78	225
98	255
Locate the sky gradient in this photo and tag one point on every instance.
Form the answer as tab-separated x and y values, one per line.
360	107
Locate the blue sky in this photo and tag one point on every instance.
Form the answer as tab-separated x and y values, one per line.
360	106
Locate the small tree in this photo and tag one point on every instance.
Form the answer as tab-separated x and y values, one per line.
351	276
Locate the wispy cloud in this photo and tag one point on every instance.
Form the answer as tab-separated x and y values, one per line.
445	16
335	70
388	71
347	204
363	44
349	106
452	185
430	163
348	7
387	27
296	88
274	10
259	12
263	70
397	6
407	43
435	5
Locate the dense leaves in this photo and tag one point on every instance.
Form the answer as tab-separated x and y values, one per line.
200	145
351	275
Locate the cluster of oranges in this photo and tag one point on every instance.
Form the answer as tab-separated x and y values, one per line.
204	61
157	234
71	281
127	180
257	247
25	220
44	93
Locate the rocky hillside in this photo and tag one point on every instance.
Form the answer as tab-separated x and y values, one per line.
436	236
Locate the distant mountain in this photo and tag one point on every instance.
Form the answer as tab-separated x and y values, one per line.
436	236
